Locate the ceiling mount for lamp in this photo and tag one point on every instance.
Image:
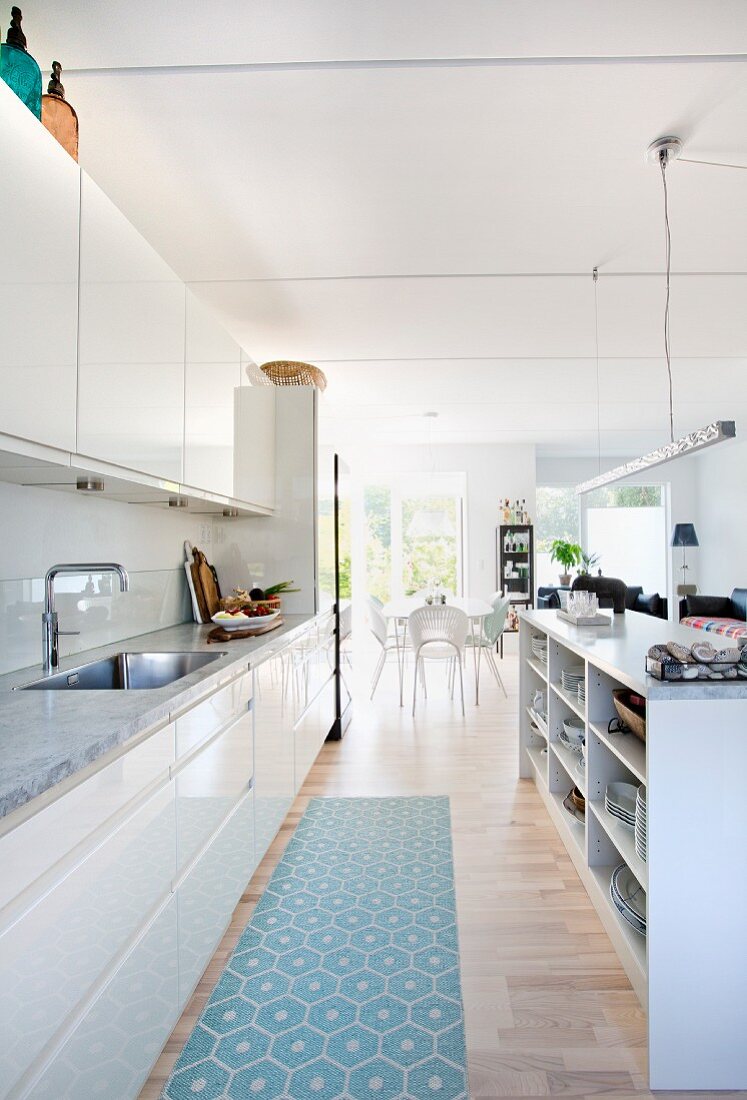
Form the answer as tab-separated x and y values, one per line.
668	148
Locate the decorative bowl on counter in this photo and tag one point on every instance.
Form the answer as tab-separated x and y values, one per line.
237	620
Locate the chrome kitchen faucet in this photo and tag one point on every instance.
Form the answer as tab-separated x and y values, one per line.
50	629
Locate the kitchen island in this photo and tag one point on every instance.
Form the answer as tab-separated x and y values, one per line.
690	970
130	824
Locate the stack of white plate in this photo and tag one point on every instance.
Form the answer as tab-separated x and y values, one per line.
582	692
539	648
629	897
570	678
640	823
620	800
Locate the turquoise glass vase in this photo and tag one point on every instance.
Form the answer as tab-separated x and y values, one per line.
21	73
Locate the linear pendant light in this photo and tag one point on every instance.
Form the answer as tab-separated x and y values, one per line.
662	151
698	440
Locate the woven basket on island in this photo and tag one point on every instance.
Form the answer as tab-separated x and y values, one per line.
286	372
631	715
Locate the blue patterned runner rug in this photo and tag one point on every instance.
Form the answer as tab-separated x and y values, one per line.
345	982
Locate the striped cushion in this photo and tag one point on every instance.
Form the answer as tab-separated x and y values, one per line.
731	628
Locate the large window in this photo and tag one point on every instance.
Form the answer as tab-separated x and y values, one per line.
558	517
625	526
413	535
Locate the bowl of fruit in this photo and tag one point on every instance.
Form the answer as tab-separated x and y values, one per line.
244	618
269	599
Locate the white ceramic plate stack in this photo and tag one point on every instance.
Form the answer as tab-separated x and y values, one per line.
570	678
582	692
629	897
539	648
640	823
620	801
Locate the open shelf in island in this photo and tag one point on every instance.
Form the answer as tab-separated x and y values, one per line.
691	969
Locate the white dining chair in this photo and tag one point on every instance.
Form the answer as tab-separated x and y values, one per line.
388	642
438	633
491	629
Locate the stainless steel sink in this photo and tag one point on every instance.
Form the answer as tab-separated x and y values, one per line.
125	672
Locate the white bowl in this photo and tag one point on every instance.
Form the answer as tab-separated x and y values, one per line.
575	730
243	622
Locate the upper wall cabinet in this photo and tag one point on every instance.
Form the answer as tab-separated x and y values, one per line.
39	198
212	373
131	345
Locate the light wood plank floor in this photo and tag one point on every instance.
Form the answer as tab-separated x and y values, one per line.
549	1010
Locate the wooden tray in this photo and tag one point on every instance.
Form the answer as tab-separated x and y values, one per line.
218	634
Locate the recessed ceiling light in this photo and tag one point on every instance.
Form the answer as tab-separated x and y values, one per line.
178	502
89	485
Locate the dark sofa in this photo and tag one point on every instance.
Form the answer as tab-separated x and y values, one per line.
725	615
612	593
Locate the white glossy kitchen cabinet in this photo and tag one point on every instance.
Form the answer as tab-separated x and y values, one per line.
212	375
40	200
120	888
210	784
208	895
128	1023
314	687
255	432
53	955
274	788
131	344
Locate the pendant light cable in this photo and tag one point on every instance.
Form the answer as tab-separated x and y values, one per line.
595	277
668	236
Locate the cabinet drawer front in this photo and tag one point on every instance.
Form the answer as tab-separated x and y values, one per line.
209	894
34	846
311	731
52	955
210	784
207	717
112	1049
273	749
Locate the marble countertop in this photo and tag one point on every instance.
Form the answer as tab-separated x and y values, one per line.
47	736
620	650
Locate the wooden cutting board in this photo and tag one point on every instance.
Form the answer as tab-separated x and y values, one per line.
206	589
221	635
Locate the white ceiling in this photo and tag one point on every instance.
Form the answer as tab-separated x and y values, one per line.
413	195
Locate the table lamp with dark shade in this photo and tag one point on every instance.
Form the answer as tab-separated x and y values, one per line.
683	534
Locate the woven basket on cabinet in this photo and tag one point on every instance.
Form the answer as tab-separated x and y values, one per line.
284	372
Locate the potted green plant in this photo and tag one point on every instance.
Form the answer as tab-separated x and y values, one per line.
588	561
566	554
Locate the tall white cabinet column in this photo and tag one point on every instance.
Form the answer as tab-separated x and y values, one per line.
40	204
132	337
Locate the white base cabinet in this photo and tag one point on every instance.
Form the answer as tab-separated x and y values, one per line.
209	893
110	1052
118	891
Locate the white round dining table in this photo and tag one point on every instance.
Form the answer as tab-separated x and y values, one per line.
400	609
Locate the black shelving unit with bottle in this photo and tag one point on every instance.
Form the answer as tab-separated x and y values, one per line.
520	589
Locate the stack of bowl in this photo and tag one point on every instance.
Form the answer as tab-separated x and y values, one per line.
629	897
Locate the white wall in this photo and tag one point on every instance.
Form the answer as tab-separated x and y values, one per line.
720	562
492	473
